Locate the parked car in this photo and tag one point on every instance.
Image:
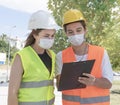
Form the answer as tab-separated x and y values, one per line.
4	76
116	73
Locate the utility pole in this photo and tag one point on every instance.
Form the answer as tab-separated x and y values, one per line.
8	60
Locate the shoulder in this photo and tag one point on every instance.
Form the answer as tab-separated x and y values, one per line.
95	46
23	50
59	54
68	48
97	49
51	51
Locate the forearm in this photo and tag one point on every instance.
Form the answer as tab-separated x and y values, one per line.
15	80
102	83
12	99
93	81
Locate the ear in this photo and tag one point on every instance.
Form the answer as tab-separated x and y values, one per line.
86	31
35	36
65	32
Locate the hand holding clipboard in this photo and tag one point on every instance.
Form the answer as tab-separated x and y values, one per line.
71	72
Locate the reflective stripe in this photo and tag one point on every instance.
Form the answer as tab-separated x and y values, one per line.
36	84
86	100
50	102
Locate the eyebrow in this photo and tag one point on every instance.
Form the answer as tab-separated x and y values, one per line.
69	30
51	35
77	28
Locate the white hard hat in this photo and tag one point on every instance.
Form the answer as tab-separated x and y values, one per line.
42	20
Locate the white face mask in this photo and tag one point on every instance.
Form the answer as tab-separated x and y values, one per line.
76	39
46	43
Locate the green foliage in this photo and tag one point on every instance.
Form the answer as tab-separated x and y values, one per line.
111	40
111	43
97	14
60	42
102	18
4	46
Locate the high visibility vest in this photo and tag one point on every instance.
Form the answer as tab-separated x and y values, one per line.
90	95
37	83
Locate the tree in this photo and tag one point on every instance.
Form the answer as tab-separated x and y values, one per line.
97	14
112	40
4	46
100	23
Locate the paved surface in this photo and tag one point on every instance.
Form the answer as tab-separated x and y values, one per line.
4	93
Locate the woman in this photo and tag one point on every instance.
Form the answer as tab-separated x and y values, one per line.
99	81
32	71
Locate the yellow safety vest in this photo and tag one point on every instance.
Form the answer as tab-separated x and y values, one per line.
37	83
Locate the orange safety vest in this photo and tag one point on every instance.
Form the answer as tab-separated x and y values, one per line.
90	95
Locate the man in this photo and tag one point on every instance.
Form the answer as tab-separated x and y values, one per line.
99	81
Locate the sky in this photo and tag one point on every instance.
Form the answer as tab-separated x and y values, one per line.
15	14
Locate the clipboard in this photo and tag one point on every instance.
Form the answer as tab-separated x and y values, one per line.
70	73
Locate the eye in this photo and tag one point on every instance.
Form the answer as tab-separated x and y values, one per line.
79	30
46	36
52	36
49	36
70	32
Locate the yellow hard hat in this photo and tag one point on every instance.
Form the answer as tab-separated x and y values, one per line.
72	15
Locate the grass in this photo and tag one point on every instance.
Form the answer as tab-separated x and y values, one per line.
115	93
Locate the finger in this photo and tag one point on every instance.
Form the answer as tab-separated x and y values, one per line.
82	78
82	81
86	74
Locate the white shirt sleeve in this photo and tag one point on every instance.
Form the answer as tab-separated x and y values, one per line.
59	64
106	65
107	71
